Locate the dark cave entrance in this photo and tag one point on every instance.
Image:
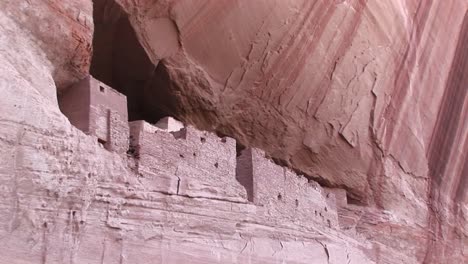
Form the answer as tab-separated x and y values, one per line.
121	62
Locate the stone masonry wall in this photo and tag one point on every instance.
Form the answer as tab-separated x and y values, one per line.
286	195
200	164
108	115
98	110
188	162
74	104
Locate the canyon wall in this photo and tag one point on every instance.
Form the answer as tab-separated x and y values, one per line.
365	101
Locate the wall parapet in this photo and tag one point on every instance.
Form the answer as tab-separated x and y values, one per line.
187	162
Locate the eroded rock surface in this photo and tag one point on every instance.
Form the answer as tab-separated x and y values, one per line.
363	95
367	98
59	31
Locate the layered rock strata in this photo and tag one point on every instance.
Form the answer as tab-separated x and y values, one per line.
367	98
363	95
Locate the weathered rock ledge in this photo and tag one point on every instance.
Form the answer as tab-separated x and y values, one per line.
368	98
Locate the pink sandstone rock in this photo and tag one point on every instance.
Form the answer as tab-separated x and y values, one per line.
368	96
59	33
367	99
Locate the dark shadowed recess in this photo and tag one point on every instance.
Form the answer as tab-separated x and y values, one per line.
121	62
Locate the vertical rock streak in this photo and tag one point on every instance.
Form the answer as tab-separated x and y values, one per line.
448	183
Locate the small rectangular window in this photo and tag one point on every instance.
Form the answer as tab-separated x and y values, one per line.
101	88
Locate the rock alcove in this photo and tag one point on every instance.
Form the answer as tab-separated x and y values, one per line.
120	61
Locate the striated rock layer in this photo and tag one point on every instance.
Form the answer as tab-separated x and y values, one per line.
367	98
363	95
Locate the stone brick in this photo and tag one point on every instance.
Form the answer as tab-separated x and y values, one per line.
98	110
284	193
188	162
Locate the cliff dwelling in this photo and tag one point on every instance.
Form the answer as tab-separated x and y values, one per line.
233	131
119	62
98	110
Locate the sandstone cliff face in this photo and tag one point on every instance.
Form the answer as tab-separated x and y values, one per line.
365	96
356	94
37	28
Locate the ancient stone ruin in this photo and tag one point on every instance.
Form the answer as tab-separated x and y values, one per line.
174	160
180	160
97	110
